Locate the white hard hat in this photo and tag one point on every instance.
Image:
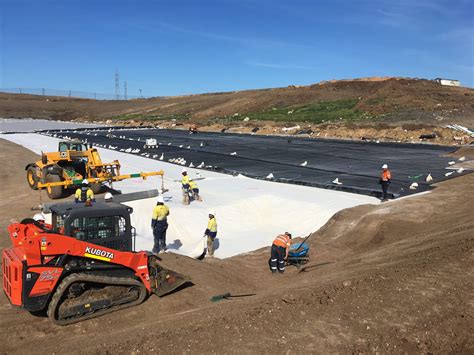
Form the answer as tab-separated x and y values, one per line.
212	212
85	182
184	170
39	217
385	166
108	196
160	199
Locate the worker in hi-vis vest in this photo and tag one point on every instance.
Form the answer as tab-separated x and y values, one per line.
195	190
84	193
211	233
279	252
159	223
385	179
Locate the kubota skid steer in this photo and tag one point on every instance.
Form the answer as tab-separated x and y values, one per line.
82	265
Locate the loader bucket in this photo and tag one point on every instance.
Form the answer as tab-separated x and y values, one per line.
164	281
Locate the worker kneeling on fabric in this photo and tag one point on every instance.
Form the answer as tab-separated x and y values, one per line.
195	189
159	223
84	193
279	253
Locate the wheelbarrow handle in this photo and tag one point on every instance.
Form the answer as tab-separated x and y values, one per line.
301	244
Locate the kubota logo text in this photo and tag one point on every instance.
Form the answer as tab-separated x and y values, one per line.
98	254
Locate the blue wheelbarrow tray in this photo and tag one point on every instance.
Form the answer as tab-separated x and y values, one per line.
298	250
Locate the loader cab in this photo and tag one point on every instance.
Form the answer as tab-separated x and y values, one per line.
104	223
76	145
73	158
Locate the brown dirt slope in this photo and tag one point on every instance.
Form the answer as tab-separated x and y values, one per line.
390	278
390	99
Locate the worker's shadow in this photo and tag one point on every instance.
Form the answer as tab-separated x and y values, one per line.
175	245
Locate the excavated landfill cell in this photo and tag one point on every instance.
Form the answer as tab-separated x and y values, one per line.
356	164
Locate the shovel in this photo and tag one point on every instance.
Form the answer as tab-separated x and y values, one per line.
227	296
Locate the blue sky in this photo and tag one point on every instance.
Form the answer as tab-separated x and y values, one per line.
178	47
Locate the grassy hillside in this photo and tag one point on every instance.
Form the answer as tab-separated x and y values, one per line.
388	100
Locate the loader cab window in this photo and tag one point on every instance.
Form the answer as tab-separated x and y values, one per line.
65	146
92	229
78	147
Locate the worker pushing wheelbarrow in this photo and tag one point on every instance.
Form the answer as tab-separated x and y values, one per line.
283	253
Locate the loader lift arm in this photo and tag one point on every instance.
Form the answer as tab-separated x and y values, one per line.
71	182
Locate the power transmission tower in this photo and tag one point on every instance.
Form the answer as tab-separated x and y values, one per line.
141	96
117	85
125	90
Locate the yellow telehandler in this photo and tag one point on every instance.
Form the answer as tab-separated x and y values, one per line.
71	165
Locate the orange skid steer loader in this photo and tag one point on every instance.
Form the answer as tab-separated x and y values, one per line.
82	265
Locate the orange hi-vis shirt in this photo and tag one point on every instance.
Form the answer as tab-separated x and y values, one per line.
282	241
386	175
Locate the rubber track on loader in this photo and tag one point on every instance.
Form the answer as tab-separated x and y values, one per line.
59	296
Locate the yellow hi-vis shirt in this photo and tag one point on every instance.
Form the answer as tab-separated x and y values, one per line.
160	212
193	185
89	194
185	180
212	225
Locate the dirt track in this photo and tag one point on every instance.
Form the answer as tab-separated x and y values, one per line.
390	278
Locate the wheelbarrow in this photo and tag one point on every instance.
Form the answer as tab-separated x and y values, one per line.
298	254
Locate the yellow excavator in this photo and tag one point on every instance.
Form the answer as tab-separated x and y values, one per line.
73	163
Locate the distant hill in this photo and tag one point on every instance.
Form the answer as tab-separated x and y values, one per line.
387	100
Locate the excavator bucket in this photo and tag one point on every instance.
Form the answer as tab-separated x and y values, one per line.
164	281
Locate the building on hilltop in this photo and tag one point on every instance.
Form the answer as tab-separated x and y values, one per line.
448	82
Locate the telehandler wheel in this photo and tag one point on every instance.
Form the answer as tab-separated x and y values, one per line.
54	192
32	178
96	188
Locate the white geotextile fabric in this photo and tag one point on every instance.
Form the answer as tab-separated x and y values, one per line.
30	125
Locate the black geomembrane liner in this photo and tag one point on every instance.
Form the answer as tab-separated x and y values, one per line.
356	164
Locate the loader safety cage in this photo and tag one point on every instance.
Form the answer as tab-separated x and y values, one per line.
103	223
